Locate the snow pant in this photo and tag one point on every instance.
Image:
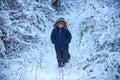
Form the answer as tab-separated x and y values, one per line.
63	55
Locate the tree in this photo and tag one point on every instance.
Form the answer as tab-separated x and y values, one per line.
56	5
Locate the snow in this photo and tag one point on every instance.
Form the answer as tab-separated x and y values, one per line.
94	47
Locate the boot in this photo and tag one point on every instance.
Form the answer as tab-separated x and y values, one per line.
61	63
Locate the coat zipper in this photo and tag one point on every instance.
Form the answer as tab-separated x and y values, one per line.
60	39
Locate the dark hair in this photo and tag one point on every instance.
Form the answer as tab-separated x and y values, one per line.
60	21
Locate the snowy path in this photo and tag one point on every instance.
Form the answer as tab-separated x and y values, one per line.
69	72
50	70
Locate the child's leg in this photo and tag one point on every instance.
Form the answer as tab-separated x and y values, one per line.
60	60
66	55
59	55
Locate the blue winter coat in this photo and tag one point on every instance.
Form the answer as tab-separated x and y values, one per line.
61	38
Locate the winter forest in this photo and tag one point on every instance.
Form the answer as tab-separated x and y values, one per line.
26	51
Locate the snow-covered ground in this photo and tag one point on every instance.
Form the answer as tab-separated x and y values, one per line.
26	52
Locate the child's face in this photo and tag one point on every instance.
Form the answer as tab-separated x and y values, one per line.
60	25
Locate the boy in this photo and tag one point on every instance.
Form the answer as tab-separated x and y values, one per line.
61	37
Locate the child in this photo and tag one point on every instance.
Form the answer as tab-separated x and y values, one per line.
61	38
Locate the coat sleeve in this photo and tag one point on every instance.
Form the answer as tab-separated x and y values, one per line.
69	37
53	36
